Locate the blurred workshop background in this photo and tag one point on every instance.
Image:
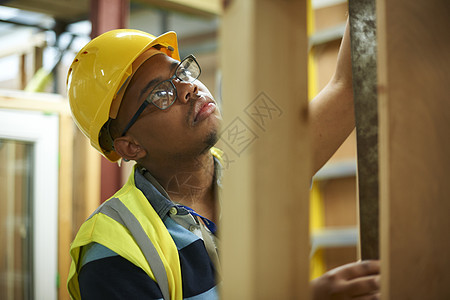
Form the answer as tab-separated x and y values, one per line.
51	179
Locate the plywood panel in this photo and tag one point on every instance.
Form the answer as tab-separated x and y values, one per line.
414	108
265	135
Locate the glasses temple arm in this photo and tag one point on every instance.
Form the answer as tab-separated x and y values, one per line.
135	117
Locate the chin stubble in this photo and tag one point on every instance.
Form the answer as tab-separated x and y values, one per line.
210	140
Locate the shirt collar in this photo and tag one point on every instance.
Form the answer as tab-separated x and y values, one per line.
153	191
157	195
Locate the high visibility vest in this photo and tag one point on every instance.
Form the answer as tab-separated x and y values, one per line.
128	225
113	225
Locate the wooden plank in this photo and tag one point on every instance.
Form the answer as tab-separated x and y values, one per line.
66	129
22	72
48	103
364	69
264	227
414	110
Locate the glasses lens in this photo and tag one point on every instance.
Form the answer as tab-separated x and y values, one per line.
188	70
163	95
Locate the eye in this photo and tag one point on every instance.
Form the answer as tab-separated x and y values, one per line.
163	96
160	94
160	91
188	70
184	74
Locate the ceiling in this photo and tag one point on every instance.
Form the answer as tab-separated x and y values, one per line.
64	10
58	21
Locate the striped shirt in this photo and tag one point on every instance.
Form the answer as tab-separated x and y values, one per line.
106	275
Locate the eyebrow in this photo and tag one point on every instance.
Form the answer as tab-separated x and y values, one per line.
158	79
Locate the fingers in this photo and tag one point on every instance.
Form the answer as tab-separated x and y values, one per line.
363	286
359	281
376	296
357	269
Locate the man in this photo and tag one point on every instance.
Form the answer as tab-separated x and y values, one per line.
134	99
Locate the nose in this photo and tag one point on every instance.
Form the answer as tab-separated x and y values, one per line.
185	90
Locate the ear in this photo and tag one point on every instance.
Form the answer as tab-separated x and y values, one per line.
128	148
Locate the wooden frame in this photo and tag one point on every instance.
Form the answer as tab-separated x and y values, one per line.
85	165
264	230
40	132
414	110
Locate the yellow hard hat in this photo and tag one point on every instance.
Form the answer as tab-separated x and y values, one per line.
100	72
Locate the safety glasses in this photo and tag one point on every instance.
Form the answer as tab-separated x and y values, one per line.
164	93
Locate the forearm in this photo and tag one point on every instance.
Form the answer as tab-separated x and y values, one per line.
331	112
330	126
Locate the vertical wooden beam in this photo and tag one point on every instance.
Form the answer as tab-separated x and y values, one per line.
414	110
266	142
38	54
364	68
108	14
86	170
65	222
23	71
111	179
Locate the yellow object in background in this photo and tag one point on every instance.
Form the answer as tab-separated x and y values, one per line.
317	221
41	79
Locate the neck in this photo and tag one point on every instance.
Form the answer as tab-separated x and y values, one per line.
188	181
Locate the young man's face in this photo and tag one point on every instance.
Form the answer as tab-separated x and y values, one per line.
189	126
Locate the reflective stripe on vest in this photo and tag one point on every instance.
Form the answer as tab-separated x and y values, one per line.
117	211
106	228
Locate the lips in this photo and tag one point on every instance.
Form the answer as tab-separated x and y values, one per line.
203	109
